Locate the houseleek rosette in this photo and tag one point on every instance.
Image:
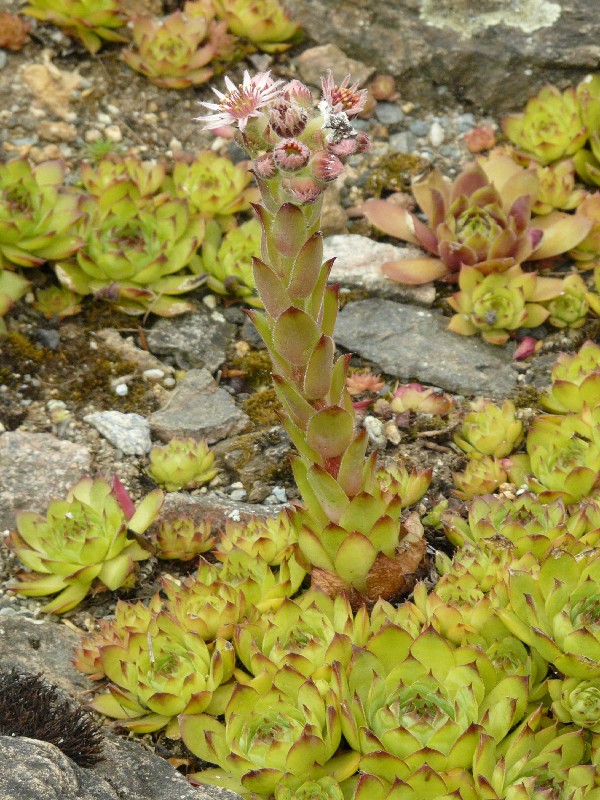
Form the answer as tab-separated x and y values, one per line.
557	611
424	783
210	610
551	126
182	464
265	23
227	260
490	430
281	729
136	254
420	700
144	178
91	21
81	540
163	672
538	759
306	633
575	381
577	702
212	184
587	159
38	215
182	538
480	476
271	539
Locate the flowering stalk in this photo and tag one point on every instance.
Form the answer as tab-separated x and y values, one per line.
349	522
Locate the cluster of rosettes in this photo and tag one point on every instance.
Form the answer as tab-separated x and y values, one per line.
287	140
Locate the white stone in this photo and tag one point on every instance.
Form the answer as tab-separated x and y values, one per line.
436	134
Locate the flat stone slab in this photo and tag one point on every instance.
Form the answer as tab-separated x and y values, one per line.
36	468
193	341
199	408
414	344
130	433
358	262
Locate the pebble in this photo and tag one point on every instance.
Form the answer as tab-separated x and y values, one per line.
420	127
389	113
375	432
92	135
121	389
3	59
238	494
130	433
153	374
57	131
403	142
113	133
436	134
465	122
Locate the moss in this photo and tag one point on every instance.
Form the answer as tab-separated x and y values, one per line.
263	407
256	364
394	173
75	373
528	397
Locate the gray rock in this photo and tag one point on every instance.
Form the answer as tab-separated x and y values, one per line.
314	63
420	127
259	457
3	59
414	344
35	468
199	408
389	113
130	433
218	508
403	142
193	341
494	53
358	262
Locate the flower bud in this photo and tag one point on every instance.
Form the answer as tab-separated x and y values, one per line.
326	166
303	190
296	91
291	155
264	166
344	148
287	118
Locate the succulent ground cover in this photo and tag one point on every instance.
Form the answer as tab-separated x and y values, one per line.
288	656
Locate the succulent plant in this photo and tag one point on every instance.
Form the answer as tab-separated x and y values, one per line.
489	430
587	160
481	220
563	456
136	256
212	185
424	783
14	31
361	381
271	540
538	759
182	538
557	189
182	464
420	700
144	178
497	304
91	21
227	260
575	381
531	526
162	673
81	540
422	399
12	288
321	789
480	476
576	701
210	610
265	23
279	729
588	249
174	52
128	618
37	216
54	302
307	634
396	481
551	127
556	611
570	308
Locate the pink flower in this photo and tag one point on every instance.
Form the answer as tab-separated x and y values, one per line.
242	102
343	97
326	166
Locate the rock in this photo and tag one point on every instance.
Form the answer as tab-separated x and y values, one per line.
194	341
52	88
125	348
333	216
314	62
480	52
414	344
129	433
58	465
389	113
199	408
56	131
260	457
357	265
216	507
